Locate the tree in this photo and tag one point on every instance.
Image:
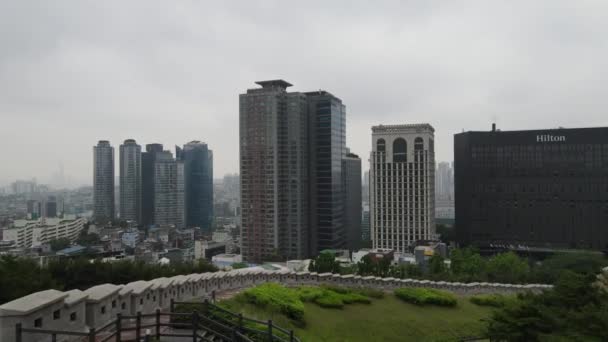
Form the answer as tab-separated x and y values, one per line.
580	262
59	244
574	310
467	265
325	262
507	268
89	239
436	265
377	267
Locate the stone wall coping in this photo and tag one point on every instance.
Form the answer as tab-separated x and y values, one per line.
32	302
101	292
74	297
138	287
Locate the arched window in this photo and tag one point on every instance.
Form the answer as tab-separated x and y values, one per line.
399	151
381	145
418	144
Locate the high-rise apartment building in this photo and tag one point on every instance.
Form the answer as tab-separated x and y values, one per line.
402	181
130	181
103	182
198	170
274	172
148	160
169	188
327	148
444	182
351	166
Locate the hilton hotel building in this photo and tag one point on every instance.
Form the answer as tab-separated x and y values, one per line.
402	185
532	189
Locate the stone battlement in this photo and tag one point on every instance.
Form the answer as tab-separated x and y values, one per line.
79	310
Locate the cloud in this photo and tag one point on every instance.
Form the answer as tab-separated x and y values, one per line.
74	72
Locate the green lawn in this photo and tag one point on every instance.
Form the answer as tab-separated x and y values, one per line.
387	319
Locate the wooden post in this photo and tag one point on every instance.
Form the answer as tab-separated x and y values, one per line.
194	325
54	338
240	322
158	324
172	305
138	326
92	335
18	332
270	330
206	307
291	339
213	296
118	327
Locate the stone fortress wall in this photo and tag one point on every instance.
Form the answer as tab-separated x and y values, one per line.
52	309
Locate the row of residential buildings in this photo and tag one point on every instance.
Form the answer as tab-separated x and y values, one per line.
155	187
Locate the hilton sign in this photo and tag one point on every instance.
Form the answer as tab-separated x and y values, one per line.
550	138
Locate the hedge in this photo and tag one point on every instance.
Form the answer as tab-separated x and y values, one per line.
494	300
423	296
276	298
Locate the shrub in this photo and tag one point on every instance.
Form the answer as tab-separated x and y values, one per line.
422	296
309	293
369	292
350	298
330	299
276	298
495	300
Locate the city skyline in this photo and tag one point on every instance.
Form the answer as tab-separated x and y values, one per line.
453	66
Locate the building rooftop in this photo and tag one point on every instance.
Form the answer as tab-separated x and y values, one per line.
74	296
274	83
401	128
72	250
32	302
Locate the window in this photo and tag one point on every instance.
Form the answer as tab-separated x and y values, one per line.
154	299
103	309
148	296
113	303
141	301
123	305
73	316
418	144
399	151
381	145
56	314
38	323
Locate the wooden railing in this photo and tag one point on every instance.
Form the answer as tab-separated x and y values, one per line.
122	329
257	329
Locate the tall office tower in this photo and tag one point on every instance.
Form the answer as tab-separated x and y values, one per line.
130	181
51	207
148	159
274	172
198	169
169	188
327	147
103	182
532	190
402	181
351	166
444	182
365	226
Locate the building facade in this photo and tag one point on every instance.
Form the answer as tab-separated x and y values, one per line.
402	181
169	191
351	165
148	170
103	182
274	172
130	181
198	170
536	188
33	233
327	148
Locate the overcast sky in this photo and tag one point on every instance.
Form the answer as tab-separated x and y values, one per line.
74	72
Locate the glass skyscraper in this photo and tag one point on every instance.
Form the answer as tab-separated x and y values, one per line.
198	172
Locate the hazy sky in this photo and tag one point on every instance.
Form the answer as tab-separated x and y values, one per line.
74	72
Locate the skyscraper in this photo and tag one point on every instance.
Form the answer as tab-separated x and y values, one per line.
148	159
130	181
198	170
169	190
103	182
351	166
327	147
402	194
444	182
274	172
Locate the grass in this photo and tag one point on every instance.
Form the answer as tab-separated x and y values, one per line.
385	319
422	296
